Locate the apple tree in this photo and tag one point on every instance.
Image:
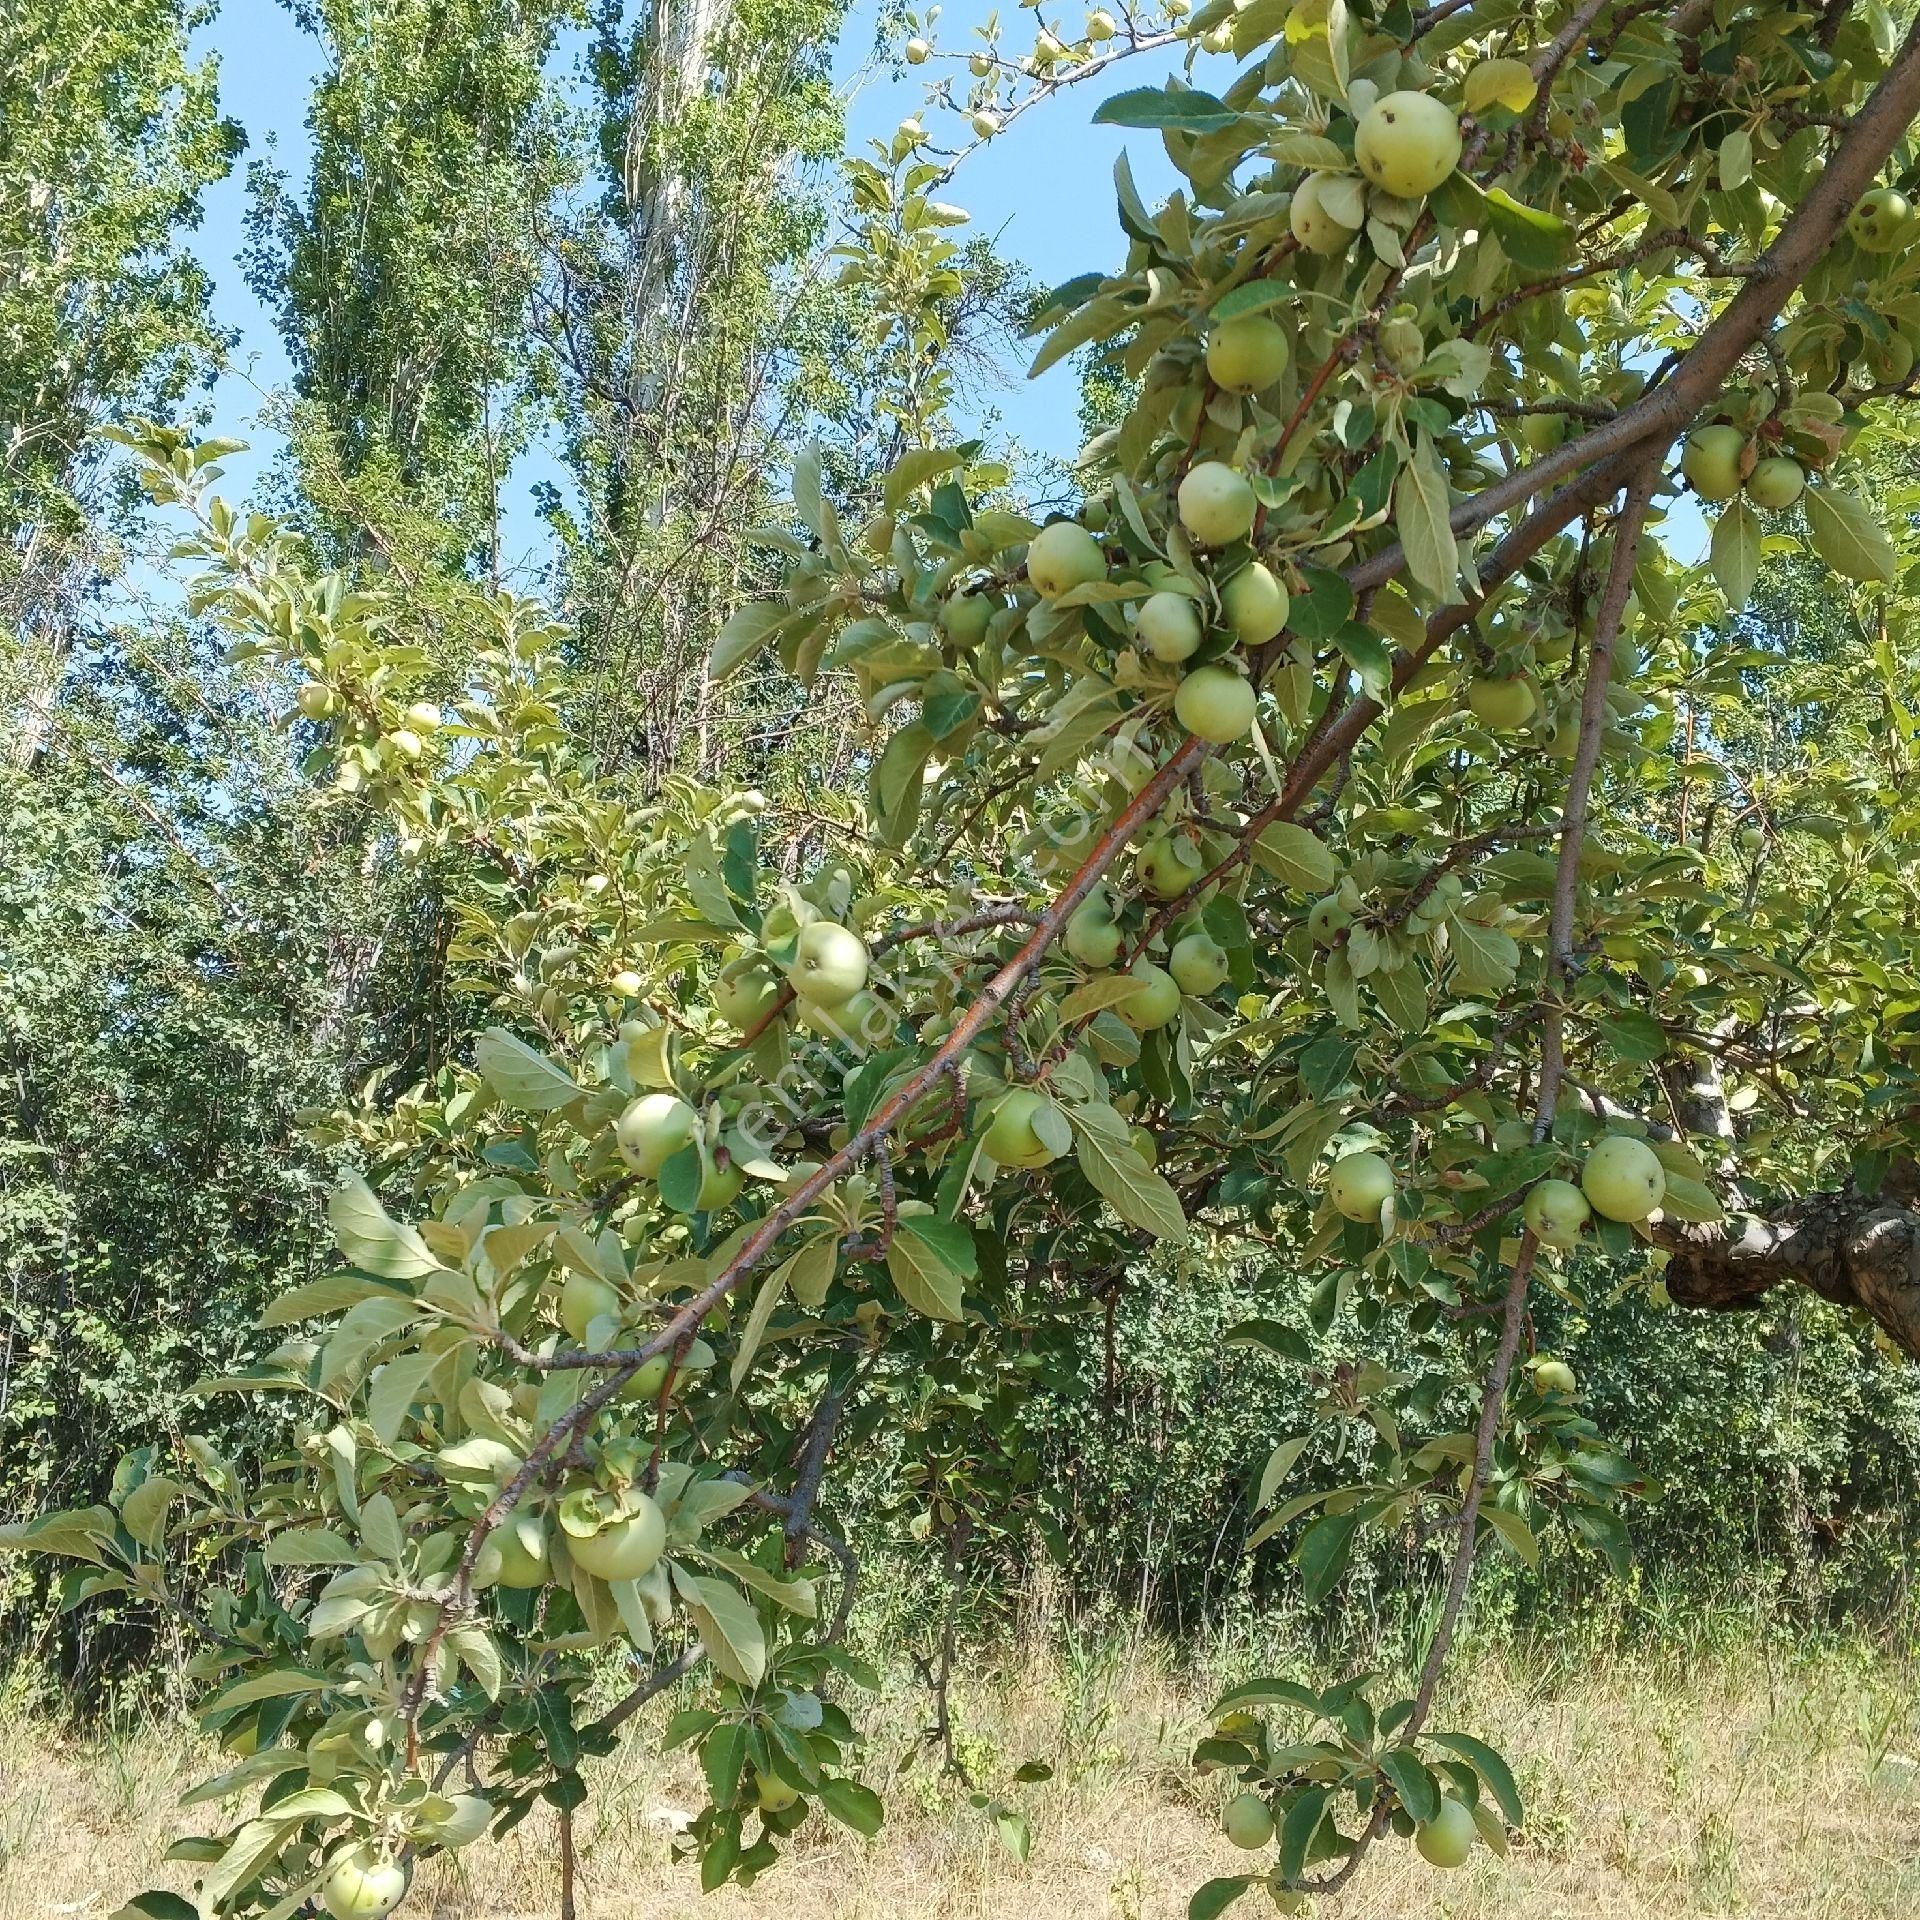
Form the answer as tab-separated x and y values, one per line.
1349	827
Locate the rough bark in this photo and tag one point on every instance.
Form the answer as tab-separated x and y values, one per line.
1857	1251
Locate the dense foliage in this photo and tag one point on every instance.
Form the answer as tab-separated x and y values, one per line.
1357	883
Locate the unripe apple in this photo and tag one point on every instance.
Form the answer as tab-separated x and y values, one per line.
772	1794
1711	461
314	701
652	1130
1100	24
1169	865
829	964
1216	704
1216	504
515	1555
1154	1002
362	1884
1776	482
1168	626
625	1548
1407	143
407	743
1623	1178
1500	704
1313	225
1327	920
1255	603
423	716
648	1378
1446	1839
1062	556
1554	1376
1881	221
1198	962
984	124
1010	1137
1555	1212
1542	432
1247	354
1360	1185
743	999
628	984
917	51
980	65
1248	1820
585	1298
966	617
1403	346
1093	936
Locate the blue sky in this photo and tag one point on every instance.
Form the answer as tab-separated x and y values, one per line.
1044	189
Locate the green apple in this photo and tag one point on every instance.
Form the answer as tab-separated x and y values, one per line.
1555	1212
1093	936
1215	703
1064	556
1010	1137
363	1884
1623	1178
1407	143
646	1380
652	1130
1500	704
1403	346
917	51
1198	962
1446	1839
1168	865
1155	1001
1101	25
628	984
406	743
1554	1376
1247	354
1168	626
423	717
743	996
1776	482
585	1298
1542	432
1313	224
1216	504
829	964
1255	603
772	1794
623	1548
1711	461
1360	1185
966	618
984	124
515	1554
718	1185
314	701
1881	221
1248	1820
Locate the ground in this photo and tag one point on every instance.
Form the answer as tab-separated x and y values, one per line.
1782	1786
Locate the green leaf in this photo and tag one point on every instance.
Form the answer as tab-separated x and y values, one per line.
1528	237
1847	534
1493	1770
527	1081
1217	1896
1115	1169
1514	1532
1734	554
1297	1831
1484	959
157	1906
1418	1790
747	631
772	1291
1324	608
722	1756
311	1547
332	1293
853	1805
727	1623
914	469
277	1684
1322	1553
1253	296
368	1238
1187	109
1296	857
1280	1463
1422	502
930	1262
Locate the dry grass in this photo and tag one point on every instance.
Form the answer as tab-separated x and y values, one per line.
1725	1787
